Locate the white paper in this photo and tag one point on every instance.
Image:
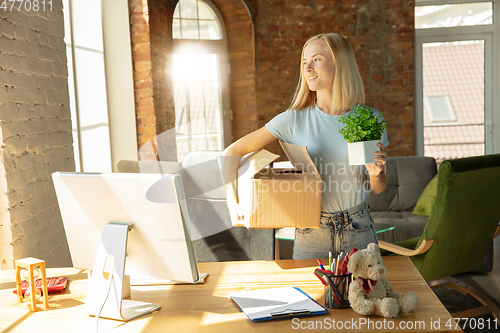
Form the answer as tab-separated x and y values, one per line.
267	303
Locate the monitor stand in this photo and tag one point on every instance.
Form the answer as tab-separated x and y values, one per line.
105	293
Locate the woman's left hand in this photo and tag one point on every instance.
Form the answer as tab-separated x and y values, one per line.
374	169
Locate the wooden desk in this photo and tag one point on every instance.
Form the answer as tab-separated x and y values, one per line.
207	308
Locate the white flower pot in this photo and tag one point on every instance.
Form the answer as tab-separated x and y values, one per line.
362	152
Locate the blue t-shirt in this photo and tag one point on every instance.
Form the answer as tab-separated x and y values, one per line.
344	186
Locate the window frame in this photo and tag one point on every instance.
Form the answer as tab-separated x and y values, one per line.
218	18
491	35
451	112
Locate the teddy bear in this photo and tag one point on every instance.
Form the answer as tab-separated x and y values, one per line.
370	292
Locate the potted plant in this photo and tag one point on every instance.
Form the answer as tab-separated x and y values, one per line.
363	130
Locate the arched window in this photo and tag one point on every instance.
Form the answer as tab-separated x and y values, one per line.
200	75
195	19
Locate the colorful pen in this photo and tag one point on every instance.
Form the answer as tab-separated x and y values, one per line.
320	264
330	258
322	281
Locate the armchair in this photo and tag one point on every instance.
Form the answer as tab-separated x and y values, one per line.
463	220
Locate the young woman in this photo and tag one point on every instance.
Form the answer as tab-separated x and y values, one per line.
329	86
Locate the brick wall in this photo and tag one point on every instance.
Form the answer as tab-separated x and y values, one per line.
265	55
241	52
36	133
151	24
160	23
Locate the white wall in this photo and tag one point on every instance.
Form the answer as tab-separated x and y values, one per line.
119	80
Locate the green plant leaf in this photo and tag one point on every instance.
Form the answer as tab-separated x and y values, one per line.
362	125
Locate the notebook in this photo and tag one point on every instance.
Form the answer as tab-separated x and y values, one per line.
267	304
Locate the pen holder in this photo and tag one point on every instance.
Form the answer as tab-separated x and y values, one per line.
337	291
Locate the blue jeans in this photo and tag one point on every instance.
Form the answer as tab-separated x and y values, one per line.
338	232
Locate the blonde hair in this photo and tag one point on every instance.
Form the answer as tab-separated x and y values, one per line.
347	85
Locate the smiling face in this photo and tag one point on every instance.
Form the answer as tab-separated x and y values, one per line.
317	67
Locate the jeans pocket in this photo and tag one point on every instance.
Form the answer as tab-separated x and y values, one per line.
304	231
361	223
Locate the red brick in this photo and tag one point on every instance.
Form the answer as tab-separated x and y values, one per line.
145	111
142	66
144	102
144	47
150	129
143	84
140	76
143	138
141	56
143	93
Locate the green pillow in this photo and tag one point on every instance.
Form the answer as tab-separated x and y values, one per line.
427	199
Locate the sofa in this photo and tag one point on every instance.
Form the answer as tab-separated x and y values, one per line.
407	178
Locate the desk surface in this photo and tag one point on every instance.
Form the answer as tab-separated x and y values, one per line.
208	308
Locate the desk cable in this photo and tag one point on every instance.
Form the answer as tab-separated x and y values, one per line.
110	279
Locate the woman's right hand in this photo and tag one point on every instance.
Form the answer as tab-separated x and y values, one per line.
235	211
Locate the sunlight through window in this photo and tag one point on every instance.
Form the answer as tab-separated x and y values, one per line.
199	70
194	19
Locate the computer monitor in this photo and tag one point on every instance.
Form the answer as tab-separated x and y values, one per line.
98	210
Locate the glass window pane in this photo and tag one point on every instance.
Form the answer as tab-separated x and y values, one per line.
444	74
189	29
96	154
210	29
211	92
176	29
188	13
212	63
197	108
439	108
177	11
87	24
205	12
466	14
92	100
197	102
188	9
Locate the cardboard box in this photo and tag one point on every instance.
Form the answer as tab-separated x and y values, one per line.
280	198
